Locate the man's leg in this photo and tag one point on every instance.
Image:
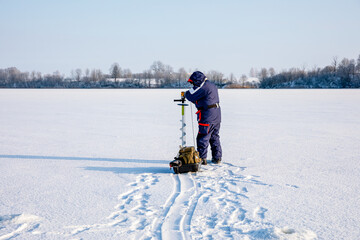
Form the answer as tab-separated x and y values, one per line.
216	150
202	144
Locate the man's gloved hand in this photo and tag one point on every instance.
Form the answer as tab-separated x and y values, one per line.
183	96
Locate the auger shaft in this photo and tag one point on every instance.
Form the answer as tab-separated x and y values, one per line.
183	124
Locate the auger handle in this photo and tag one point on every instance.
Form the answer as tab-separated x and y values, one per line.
183	99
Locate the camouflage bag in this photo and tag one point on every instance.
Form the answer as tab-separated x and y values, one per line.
187	160
189	155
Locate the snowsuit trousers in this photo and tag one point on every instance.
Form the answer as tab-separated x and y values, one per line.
208	135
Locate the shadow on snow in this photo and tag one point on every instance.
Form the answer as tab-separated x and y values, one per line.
130	170
85	159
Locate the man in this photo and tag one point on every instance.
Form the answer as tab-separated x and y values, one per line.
204	95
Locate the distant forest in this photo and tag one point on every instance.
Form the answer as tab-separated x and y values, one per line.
339	74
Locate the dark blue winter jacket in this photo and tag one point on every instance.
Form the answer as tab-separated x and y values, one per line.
204	95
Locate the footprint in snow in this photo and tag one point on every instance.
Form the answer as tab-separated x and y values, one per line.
18	224
132	215
259	212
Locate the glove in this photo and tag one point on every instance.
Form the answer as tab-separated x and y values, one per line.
182	95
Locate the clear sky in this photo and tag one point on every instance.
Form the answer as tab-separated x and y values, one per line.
229	36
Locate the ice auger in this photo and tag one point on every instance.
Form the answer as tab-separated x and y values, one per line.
187	160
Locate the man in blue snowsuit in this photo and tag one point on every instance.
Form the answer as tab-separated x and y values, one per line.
205	96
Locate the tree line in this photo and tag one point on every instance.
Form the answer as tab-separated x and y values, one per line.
339	74
159	75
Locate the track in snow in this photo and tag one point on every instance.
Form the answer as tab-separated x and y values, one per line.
132	216
12	226
179	208
205	205
222	193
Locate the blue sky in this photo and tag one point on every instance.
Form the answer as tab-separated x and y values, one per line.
228	36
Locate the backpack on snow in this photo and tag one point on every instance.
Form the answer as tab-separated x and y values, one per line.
187	160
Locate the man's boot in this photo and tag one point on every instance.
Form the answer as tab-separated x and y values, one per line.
216	161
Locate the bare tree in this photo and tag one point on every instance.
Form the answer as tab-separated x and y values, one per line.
358	65
39	76
14	74
87	74
243	80
315	71
335	63
345	70
183	76
168	75
96	75
78	74
72	73
232	78
147	76
216	77
33	76
272	72
127	73
158	69
252	72
263	73
115	71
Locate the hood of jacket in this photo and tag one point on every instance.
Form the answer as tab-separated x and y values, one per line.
197	78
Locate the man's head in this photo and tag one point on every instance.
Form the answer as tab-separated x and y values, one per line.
197	78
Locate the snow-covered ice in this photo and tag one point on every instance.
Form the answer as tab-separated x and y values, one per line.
93	164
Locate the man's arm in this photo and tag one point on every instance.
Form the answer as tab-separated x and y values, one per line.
195	94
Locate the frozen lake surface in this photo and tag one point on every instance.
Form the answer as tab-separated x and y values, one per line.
93	164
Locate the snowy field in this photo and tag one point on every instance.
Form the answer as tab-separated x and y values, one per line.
93	164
